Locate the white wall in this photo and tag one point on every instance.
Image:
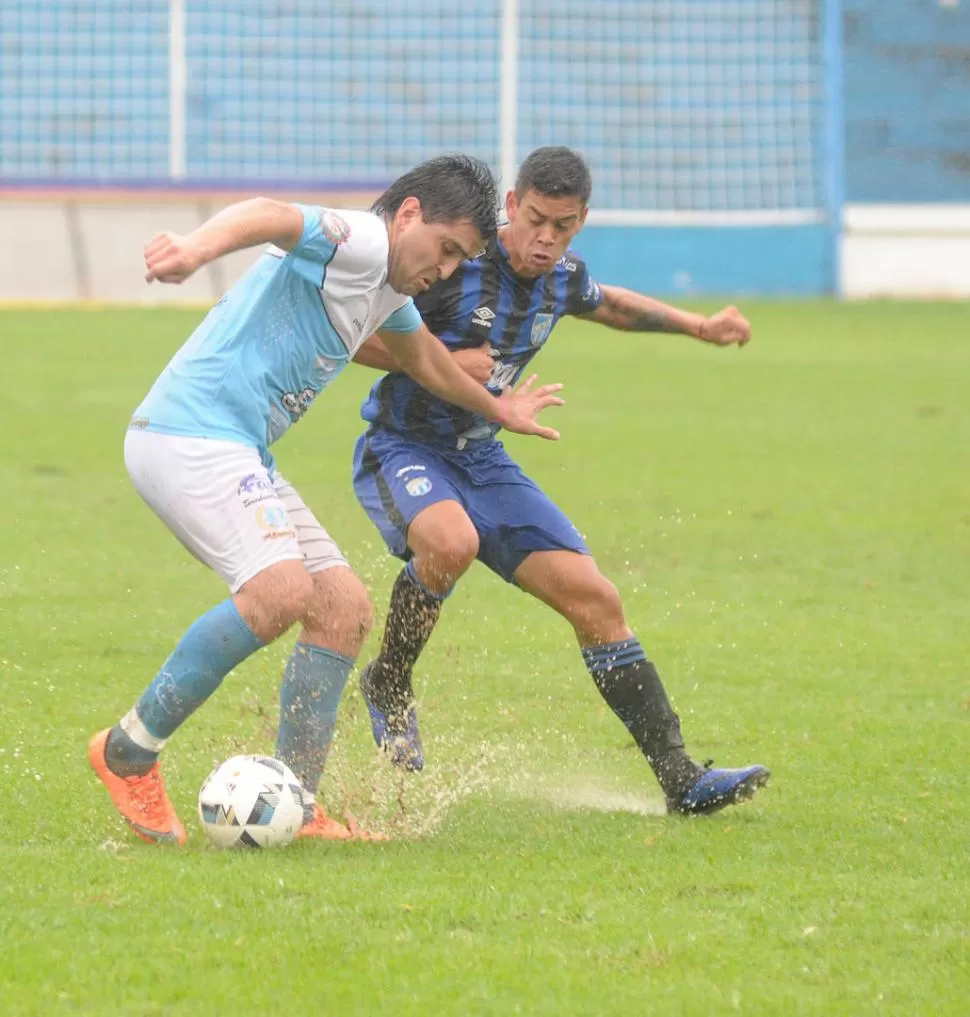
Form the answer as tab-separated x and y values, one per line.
919	251
88	247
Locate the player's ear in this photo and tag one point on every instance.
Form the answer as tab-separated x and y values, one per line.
582	217
511	205
410	210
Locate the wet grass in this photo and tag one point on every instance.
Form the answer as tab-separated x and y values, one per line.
789	527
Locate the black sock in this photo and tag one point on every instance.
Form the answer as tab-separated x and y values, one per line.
631	686
125	757
411	618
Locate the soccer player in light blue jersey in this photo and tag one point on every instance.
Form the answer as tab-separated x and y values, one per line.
198	451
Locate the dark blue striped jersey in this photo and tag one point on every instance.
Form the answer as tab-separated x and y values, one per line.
483	301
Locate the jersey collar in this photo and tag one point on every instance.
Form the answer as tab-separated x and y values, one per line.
506	264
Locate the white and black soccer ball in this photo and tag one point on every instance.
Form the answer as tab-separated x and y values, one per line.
251	801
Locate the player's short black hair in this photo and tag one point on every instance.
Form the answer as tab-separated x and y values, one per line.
555	172
450	188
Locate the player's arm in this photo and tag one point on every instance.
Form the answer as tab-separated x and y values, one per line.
373	353
425	358
634	312
172	257
476	361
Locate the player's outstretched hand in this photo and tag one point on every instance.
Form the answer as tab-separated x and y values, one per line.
522	406
170	258
726	328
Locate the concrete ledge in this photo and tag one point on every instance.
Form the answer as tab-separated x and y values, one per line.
914	251
37	253
86	246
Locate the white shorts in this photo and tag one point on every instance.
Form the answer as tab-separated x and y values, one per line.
222	503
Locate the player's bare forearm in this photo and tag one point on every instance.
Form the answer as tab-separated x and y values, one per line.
426	359
373	353
477	362
172	258
248	224
634	312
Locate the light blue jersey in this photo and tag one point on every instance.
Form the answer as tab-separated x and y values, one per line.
281	335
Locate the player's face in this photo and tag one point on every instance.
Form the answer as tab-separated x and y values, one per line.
540	229
424	252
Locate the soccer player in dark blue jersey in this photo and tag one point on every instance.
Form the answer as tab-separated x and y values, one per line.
443	491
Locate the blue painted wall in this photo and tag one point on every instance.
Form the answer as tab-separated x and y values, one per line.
728	261
907	100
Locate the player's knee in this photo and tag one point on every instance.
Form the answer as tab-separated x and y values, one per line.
595	605
339	615
275	598
453	558
606	598
451	552
356	614
290	595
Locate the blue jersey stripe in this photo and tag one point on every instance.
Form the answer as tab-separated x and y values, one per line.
562	287
471	298
503	309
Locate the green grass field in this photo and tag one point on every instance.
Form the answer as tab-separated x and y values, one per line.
790	528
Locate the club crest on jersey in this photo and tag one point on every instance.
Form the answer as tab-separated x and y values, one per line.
541	327
417	487
335	228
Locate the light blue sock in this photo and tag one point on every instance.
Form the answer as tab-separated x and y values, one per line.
213	645
313	683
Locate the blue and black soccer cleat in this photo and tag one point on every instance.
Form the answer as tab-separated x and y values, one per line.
404	748
715	789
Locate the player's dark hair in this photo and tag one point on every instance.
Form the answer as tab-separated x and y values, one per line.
555	172
450	188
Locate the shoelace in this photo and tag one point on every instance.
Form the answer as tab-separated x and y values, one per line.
150	799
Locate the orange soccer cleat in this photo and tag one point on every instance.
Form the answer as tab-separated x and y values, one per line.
141	800
322	826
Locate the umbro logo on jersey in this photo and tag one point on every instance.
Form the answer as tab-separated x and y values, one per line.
483	316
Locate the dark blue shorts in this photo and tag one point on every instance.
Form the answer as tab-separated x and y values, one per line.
395	478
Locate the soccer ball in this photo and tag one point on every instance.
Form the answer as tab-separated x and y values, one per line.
251	801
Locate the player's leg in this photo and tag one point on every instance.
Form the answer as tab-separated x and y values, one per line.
443	544
412	498
334	625
527	539
217	498
571	584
